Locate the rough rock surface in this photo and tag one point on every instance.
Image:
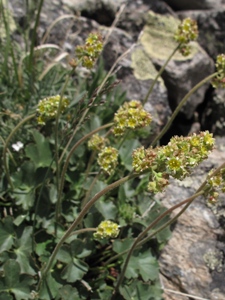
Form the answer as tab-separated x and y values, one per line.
182	72
193	260
194	4
211	29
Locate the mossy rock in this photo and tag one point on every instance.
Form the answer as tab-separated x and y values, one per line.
158	37
143	68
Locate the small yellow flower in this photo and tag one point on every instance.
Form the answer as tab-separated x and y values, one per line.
97	142
130	115
107	229
48	108
108	159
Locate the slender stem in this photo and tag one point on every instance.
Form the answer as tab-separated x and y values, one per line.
58	204
56	145
90	162
85	200
138	242
115	257
170	221
166	224
160	73
192	91
144	232
98	92
79	219
28	118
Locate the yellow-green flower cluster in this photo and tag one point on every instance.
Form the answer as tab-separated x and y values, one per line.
143	158
214	186
97	142
219	80
89	53
175	159
108	159
130	115
184	153
187	32
48	108
107	229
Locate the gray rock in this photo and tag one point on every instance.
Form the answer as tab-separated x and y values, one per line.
182	73
194	4
192	261
211	29
137	73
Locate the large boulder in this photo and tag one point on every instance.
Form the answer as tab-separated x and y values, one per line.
193	260
211	25
137	73
182	73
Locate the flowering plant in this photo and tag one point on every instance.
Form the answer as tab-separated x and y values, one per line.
77	192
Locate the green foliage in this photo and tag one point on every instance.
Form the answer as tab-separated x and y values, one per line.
76	223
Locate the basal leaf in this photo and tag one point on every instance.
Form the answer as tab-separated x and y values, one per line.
14	282
143	264
49	289
148	267
39	152
126	150
107	209
138	290
67	292
80	249
24	248
6	234
122	245
75	270
5	296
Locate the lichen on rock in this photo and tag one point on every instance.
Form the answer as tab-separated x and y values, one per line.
158	37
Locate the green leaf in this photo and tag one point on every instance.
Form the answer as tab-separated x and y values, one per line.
67	292
5	296
49	289
24	248
107	209
24	178
75	270
6	234
164	235
148	267
125	152
99	186
143	264
25	197
140	291
80	249
122	245
64	254
14	282
39	152
125	192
